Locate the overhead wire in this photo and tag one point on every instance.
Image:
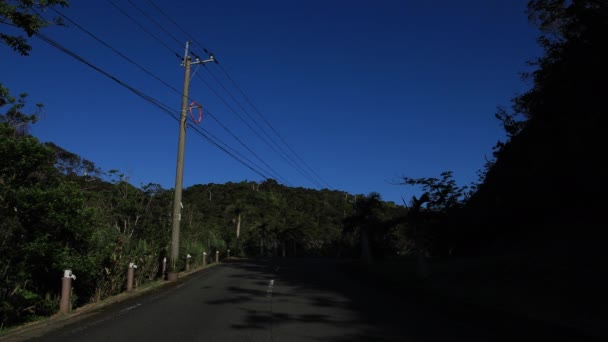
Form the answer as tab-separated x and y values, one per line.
149	73
144	29
154	21
248	149
164	44
159	9
163	107
270	125
282	153
173	21
245	110
153	101
252	129
271	172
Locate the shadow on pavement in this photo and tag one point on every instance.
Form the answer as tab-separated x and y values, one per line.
322	299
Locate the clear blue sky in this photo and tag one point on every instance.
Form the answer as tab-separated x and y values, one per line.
364	91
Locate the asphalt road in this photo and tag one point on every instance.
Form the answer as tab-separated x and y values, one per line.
296	300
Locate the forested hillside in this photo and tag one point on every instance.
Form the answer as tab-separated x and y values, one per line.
59	211
544	187
547	180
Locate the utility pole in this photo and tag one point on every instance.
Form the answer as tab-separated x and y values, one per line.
179	173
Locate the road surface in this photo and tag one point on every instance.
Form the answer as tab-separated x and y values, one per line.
295	300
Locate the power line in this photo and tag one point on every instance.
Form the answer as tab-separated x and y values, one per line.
167	109
242	93
159	40
281	154
174	23
116	51
269	125
272	171
205	134
154	21
243	109
253	130
248	149
63	49
144	29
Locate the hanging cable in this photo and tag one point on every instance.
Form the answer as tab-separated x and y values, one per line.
155	22
272	171
153	4
166	109
144	29
254	131
174	22
269	125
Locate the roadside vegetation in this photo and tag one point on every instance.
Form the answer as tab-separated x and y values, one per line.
531	222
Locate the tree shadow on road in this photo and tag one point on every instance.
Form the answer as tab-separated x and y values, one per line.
320	299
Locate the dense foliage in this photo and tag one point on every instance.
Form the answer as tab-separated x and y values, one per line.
546	180
59	211
24	17
548	176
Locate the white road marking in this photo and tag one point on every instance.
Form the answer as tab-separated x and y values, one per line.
130	308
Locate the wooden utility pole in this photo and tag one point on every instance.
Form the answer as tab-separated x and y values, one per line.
179	173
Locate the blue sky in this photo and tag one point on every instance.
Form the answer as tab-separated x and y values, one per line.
363	91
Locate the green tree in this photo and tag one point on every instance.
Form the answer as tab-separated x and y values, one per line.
365	219
45	227
548	174
25	18
15	117
439	194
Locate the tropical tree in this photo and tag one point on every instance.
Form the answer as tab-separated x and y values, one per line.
25	18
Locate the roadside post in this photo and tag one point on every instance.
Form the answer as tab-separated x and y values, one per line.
131	275
66	291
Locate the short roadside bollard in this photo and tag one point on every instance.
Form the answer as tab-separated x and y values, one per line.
188	257
66	291
204	259
164	266
228	255
131	276
217	256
